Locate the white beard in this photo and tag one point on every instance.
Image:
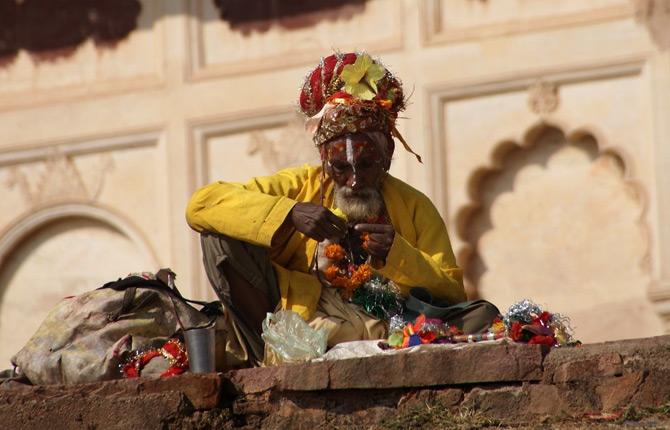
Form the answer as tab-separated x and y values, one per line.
364	204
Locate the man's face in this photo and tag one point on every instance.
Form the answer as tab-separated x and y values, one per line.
353	161
357	167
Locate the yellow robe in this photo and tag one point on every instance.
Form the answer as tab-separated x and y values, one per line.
420	256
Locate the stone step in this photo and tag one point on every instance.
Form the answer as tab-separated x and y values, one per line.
480	385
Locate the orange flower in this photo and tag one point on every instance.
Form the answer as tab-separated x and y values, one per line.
335	252
331	273
362	275
340	282
347	284
386	104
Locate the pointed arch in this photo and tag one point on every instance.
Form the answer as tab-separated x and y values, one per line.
505	161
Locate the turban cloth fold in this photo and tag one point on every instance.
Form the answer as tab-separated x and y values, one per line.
352	93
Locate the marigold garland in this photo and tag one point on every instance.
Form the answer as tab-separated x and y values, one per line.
173	351
347	277
335	252
343	273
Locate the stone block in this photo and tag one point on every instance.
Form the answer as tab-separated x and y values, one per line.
610	365
479	364
545	401
253	404
616	393
202	390
373	372
148	411
447	397
498	403
289	415
654	390
305	377
255	380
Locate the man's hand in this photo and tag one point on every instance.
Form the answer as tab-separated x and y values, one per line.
317	222
380	239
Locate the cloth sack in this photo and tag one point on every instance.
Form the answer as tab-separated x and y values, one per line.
473	316
85	338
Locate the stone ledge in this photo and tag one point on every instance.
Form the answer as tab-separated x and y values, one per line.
478	364
506	384
200	391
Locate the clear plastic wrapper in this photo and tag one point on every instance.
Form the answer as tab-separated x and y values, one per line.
290	339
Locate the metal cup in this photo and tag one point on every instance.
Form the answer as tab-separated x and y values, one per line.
200	346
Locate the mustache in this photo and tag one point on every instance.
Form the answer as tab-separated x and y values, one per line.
363	193
359	204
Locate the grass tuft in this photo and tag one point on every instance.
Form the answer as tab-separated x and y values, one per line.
439	417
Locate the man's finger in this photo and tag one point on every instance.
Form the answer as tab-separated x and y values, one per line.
336	220
317	237
381	238
318	233
332	231
378	250
374	228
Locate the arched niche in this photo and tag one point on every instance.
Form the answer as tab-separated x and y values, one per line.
557	218
61	251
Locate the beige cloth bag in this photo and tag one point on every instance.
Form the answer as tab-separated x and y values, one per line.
85	338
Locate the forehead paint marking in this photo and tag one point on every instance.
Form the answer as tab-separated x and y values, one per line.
350	150
350	159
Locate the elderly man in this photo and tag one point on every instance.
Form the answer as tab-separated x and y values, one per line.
305	239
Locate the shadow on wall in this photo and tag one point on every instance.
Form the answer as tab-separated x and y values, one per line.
261	15
51	29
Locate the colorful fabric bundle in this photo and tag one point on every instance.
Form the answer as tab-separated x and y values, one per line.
524	322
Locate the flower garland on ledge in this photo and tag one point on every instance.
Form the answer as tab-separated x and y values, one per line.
525	322
173	351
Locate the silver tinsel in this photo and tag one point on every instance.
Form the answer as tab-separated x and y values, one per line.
523	311
379	297
396	322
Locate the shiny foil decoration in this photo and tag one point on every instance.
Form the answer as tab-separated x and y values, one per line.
523	311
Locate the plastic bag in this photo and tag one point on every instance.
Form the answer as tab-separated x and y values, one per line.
290	339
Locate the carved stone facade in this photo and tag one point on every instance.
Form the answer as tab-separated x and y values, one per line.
543	98
543	130
292	147
59	179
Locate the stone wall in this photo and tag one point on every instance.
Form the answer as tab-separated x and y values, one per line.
625	383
